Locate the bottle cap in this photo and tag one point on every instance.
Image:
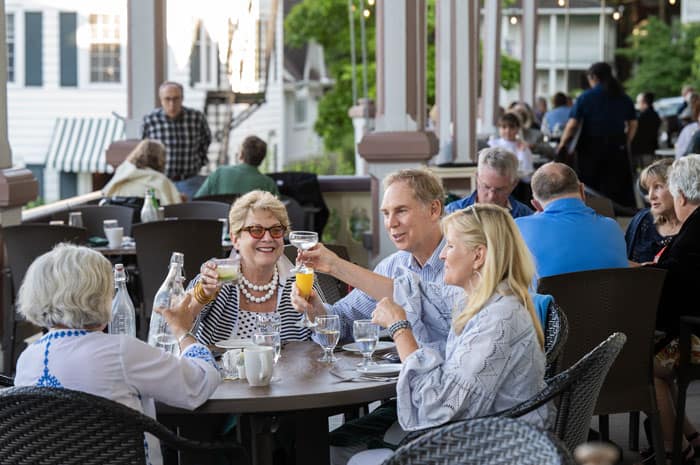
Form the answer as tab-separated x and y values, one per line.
177	257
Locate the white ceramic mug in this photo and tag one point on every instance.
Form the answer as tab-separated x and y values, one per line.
258	364
114	237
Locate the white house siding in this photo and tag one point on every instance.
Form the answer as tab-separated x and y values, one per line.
32	111
584	48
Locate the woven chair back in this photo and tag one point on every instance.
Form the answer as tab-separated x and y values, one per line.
601	302
556	333
485	441
62	427
579	387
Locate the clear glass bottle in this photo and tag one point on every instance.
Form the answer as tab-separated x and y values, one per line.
170	293
149	212
123	312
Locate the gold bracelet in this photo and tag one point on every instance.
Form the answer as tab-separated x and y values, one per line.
200	296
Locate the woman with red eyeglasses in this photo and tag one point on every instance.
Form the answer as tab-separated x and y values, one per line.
258	222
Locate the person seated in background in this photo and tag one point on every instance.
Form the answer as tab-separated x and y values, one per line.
554	120
540	110
69	292
496	178
652	228
681	260
258	222
508	129
243	177
686	135
494	357
646	139
142	170
566	235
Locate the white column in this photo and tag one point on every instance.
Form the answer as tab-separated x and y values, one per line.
553	55
394	106
528	71
147	50
491	67
443	78
5	152
601	32
466	42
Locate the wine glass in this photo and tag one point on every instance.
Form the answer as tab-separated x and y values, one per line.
328	333
305	282
302	240
366	336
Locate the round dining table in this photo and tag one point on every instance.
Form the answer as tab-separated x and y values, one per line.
302	388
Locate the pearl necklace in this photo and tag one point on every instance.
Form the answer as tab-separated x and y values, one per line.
244	285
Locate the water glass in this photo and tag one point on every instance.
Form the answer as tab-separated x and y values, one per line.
269	322
366	336
75	219
270	339
327	335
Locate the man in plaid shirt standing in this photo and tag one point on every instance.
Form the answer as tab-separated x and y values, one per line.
185	134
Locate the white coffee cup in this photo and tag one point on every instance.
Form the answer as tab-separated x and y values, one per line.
258	365
114	237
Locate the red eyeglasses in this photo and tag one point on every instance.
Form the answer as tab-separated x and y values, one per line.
257	232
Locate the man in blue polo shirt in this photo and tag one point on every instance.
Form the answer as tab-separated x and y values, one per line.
566	235
496	177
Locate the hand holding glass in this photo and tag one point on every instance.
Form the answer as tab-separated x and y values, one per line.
328	332
227	269
303	240
366	336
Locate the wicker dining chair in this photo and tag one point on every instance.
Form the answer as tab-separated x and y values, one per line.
556	333
575	391
54	426
94	215
484	441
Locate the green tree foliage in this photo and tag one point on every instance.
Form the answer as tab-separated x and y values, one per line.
665	57
326	22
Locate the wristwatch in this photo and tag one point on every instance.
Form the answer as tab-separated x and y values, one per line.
395	327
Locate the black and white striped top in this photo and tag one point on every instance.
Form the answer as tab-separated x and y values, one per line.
219	321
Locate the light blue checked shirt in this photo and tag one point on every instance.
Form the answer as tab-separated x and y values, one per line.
430	317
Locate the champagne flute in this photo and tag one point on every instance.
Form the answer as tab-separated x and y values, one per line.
302	240
305	281
366	336
328	333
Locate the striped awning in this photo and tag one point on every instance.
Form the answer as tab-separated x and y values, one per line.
78	144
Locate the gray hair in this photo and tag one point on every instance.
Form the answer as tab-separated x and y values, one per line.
684	176
501	160
71	286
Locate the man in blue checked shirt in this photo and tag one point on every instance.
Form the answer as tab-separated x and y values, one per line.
185	134
412	208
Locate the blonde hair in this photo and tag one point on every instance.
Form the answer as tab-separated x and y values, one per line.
507	259
148	154
71	286
659	171
256	201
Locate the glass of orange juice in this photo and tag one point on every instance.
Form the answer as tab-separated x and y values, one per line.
305	281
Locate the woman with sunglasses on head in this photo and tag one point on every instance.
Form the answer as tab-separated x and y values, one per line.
494	357
258	222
